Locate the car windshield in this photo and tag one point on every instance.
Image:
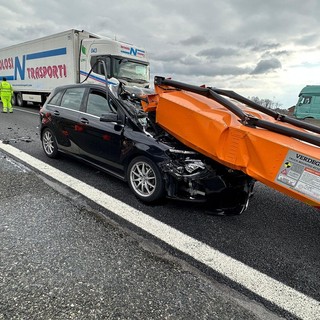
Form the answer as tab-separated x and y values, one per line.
132	71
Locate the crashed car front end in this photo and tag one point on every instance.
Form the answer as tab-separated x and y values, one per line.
190	176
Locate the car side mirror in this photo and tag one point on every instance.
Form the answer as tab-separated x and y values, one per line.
109	117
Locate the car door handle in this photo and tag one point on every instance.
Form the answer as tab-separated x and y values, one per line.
84	120
56	113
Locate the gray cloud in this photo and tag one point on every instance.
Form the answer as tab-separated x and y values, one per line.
258	46
308	39
282	53
168	56
265	66
207	40
205	69
217	52
195	40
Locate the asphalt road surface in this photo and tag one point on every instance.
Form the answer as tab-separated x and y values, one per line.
275	241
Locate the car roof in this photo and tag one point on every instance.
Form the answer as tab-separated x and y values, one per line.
80	85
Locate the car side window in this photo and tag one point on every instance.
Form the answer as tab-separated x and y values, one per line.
72	98
97	103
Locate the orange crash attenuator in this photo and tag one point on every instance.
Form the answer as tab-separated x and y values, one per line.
279	151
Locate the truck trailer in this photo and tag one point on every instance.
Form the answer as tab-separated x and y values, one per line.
35	67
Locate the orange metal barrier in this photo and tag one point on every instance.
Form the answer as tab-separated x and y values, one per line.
281	152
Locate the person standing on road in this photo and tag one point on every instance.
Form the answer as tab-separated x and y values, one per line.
6	92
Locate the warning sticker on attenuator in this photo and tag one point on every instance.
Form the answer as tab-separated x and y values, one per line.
300	173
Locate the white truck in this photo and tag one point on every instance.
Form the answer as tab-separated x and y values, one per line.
35	67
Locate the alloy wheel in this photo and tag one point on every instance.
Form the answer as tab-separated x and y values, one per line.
143	179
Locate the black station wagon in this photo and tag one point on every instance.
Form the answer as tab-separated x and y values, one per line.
113	133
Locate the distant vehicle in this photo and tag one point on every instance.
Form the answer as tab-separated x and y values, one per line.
35	67
308	105
114	134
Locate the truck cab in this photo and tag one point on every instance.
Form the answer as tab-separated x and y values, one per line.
124	62
308	105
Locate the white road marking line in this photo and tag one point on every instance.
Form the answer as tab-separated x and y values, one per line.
27	111
264	286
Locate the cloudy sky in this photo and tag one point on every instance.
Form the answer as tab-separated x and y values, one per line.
264	48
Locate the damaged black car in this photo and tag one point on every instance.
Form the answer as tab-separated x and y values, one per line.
112	132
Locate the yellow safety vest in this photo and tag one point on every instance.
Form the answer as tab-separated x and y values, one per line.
5	88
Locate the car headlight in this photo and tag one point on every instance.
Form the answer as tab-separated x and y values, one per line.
193	165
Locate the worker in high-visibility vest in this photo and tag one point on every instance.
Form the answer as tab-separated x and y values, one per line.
6	93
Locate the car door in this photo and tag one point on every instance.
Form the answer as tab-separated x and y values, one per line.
100	142
64	109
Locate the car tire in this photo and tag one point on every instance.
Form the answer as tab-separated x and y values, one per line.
240	208
145	180
49	143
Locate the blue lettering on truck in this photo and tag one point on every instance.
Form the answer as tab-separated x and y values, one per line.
19	67
133	51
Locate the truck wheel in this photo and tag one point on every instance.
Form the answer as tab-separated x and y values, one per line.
49	143
14	99
20	101
44	98
145	179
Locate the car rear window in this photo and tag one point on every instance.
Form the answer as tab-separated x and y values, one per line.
56	98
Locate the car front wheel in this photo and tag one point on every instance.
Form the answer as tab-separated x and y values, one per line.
49	143
145	179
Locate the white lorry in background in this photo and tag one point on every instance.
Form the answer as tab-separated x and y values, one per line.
35	67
